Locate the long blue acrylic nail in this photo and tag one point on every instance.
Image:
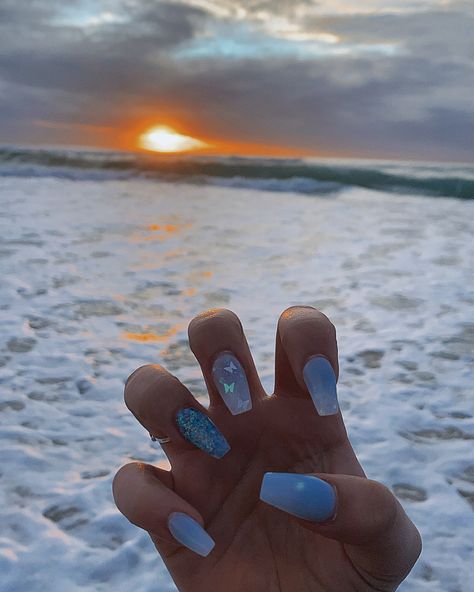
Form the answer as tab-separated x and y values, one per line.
231	382
320	380
303	496
198	429
190	533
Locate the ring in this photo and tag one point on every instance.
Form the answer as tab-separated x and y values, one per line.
160	440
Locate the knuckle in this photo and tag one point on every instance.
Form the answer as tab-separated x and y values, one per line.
212	322
384	503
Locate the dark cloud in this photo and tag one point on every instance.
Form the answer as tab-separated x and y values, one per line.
400	87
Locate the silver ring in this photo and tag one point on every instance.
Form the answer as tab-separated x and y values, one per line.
160	440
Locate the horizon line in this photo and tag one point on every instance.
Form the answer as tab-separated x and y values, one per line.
198	154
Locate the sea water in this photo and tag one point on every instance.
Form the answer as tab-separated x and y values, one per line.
101	270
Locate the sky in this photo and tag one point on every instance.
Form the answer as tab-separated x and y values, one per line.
338	78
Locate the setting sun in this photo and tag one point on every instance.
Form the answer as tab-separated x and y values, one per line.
164	139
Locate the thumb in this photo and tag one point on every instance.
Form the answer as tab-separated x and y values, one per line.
380	539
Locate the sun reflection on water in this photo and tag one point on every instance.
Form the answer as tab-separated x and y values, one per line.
151	337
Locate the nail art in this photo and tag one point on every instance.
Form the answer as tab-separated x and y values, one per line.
320	379
303	496
198	429
190	533
231	382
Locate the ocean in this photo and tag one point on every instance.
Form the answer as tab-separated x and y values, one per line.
104	259
308	176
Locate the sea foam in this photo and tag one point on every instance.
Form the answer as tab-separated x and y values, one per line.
99	278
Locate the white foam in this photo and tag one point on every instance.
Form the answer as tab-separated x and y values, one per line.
83	273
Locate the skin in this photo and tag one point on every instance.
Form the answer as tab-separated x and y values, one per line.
369	545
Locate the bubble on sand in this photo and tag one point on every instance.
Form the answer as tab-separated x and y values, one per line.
467	475
6	252
25	242
14	405
462	343
95	474
364	326
446	261
396	302
83	385
403	378
51	380
445	355
410	493
408	364
426	572
447	433
370	358
23	491
38	322
354	370
423	376
21	344
65	280
98	308
68	517
468	496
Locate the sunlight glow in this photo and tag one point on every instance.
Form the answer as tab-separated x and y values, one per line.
164	139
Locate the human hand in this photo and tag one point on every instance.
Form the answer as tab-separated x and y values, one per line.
335	530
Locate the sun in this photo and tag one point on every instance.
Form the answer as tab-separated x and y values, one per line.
164	139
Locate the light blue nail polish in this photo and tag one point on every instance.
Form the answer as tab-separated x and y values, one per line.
198	429
231	382
190	533
303	496
320	380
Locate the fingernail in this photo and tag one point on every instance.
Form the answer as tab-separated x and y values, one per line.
231	382
198	429
190	533
320	379
303	496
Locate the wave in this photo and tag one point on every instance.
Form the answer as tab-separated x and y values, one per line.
295	175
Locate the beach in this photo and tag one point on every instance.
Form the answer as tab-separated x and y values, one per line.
102	269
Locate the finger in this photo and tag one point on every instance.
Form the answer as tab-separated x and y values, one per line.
143	494
217	340
380	539
306	370
165	407
306	358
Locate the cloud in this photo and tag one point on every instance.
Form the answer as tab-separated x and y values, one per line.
391	79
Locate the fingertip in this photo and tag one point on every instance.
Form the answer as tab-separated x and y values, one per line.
211	322
124	485
303	333
133	374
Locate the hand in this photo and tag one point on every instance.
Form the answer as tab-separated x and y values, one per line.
321	525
